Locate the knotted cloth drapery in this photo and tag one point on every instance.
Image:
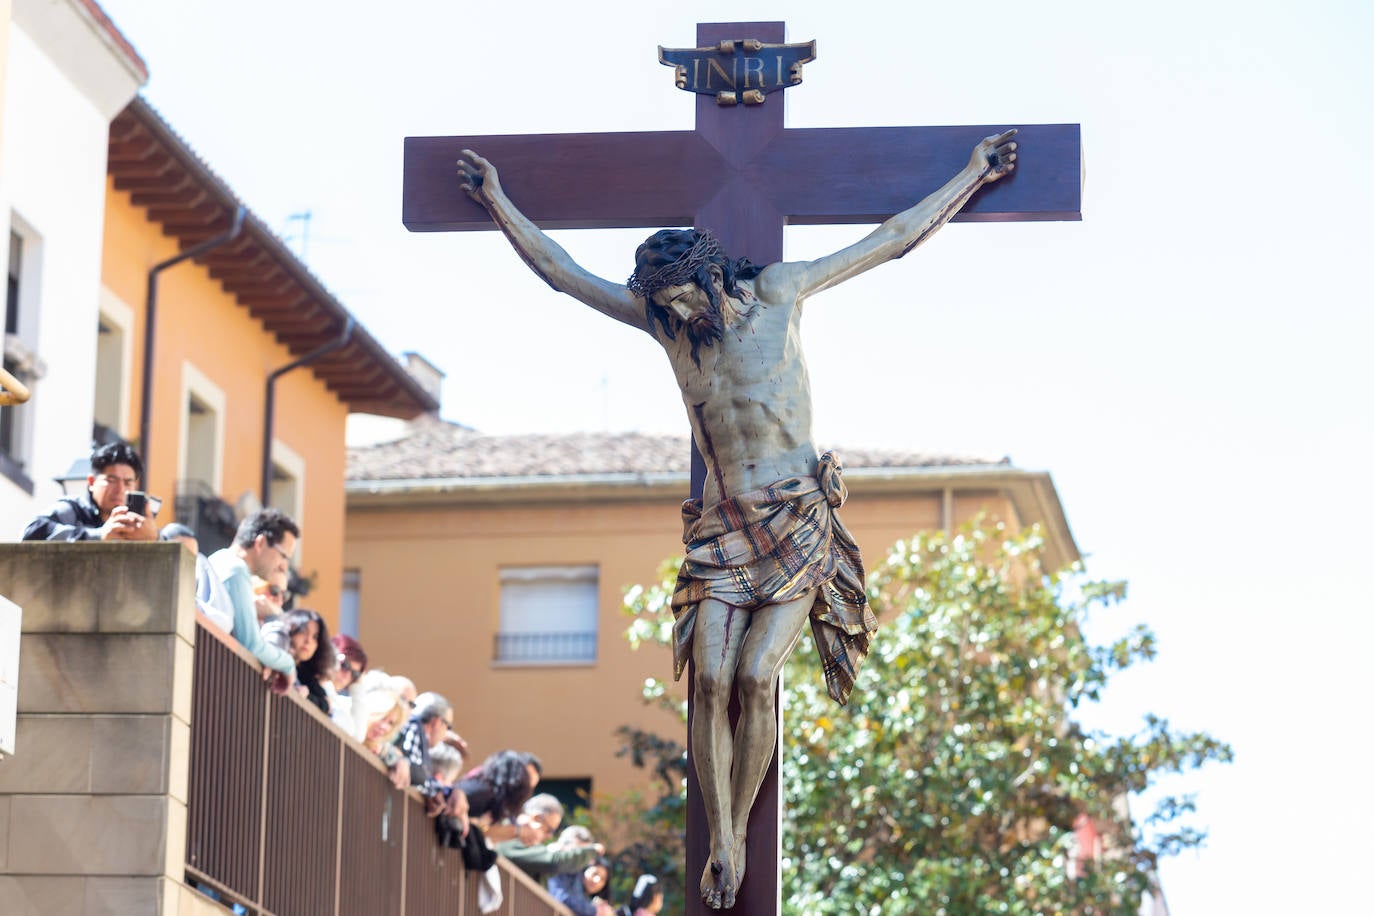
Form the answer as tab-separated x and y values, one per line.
769	546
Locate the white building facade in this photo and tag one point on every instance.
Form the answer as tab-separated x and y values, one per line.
66	71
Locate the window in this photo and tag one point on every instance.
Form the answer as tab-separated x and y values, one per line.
548	615
20	333
348	602
200	440
9	433
202	428
113	355
288	482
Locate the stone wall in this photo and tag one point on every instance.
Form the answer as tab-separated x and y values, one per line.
93	802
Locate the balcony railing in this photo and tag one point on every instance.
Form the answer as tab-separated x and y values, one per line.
542	648
287	815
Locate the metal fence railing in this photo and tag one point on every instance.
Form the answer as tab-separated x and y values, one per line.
566	646
288	816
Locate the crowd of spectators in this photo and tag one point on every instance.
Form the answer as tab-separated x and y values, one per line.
487	811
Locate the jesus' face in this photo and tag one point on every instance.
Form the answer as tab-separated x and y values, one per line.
693	306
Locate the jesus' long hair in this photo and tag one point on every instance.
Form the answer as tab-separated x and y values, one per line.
673	256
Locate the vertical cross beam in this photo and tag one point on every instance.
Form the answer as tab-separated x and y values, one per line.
749	225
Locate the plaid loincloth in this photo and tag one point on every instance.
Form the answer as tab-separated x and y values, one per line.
770	546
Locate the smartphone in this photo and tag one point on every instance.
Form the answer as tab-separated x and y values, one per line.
137	501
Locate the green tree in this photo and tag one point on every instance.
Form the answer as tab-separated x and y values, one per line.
952	782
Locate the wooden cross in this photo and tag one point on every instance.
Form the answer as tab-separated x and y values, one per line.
745	176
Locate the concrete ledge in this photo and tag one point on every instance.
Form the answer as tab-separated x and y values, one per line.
101	587
180	900
93	804
96	673
38	895
4	838
117	836
122	895
100	755
42	895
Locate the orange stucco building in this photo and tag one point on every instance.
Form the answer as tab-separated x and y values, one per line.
492	569
226	319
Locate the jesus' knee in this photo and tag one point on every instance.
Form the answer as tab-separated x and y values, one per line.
756	689
712	689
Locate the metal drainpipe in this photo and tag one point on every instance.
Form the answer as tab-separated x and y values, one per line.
145	409
270	402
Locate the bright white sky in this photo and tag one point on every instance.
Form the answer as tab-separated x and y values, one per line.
1190	361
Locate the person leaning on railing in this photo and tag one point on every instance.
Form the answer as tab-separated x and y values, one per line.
430	722
99	513
451	826
531	851
207	605
378	715
270	596
262	547
350	662
498	789
446	763
581	891
305	637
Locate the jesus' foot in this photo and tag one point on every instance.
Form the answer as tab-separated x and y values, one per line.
737	857
719	880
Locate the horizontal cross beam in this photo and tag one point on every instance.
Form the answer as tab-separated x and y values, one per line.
810	175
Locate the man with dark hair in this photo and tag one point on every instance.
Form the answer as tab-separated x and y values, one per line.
99	514
766	553
262	547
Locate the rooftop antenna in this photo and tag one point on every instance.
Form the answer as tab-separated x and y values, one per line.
304	218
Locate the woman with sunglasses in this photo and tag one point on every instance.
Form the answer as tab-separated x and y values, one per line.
350	663
270	596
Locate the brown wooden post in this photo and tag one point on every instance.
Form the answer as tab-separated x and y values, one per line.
748	225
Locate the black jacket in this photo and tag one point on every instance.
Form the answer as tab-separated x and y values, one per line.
71	518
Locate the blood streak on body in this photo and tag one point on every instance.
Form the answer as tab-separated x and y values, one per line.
706	442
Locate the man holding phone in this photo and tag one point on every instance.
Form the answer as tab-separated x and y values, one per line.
111	509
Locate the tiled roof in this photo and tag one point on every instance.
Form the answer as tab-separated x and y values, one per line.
116	38
435	449
178	190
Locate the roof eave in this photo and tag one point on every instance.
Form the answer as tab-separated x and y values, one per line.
1032	493
363	358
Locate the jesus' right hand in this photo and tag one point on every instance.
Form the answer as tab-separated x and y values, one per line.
479	176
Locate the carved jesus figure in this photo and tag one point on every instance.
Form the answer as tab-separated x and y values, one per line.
766	552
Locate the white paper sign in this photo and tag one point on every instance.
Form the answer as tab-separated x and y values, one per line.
10	616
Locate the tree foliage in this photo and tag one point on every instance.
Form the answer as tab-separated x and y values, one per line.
953	780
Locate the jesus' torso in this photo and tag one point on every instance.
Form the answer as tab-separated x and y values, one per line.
749	402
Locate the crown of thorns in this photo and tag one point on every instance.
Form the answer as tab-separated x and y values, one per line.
677	272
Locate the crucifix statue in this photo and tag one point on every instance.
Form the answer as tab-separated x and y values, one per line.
766	552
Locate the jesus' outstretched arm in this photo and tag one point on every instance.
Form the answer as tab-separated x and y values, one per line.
544	256
992	158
